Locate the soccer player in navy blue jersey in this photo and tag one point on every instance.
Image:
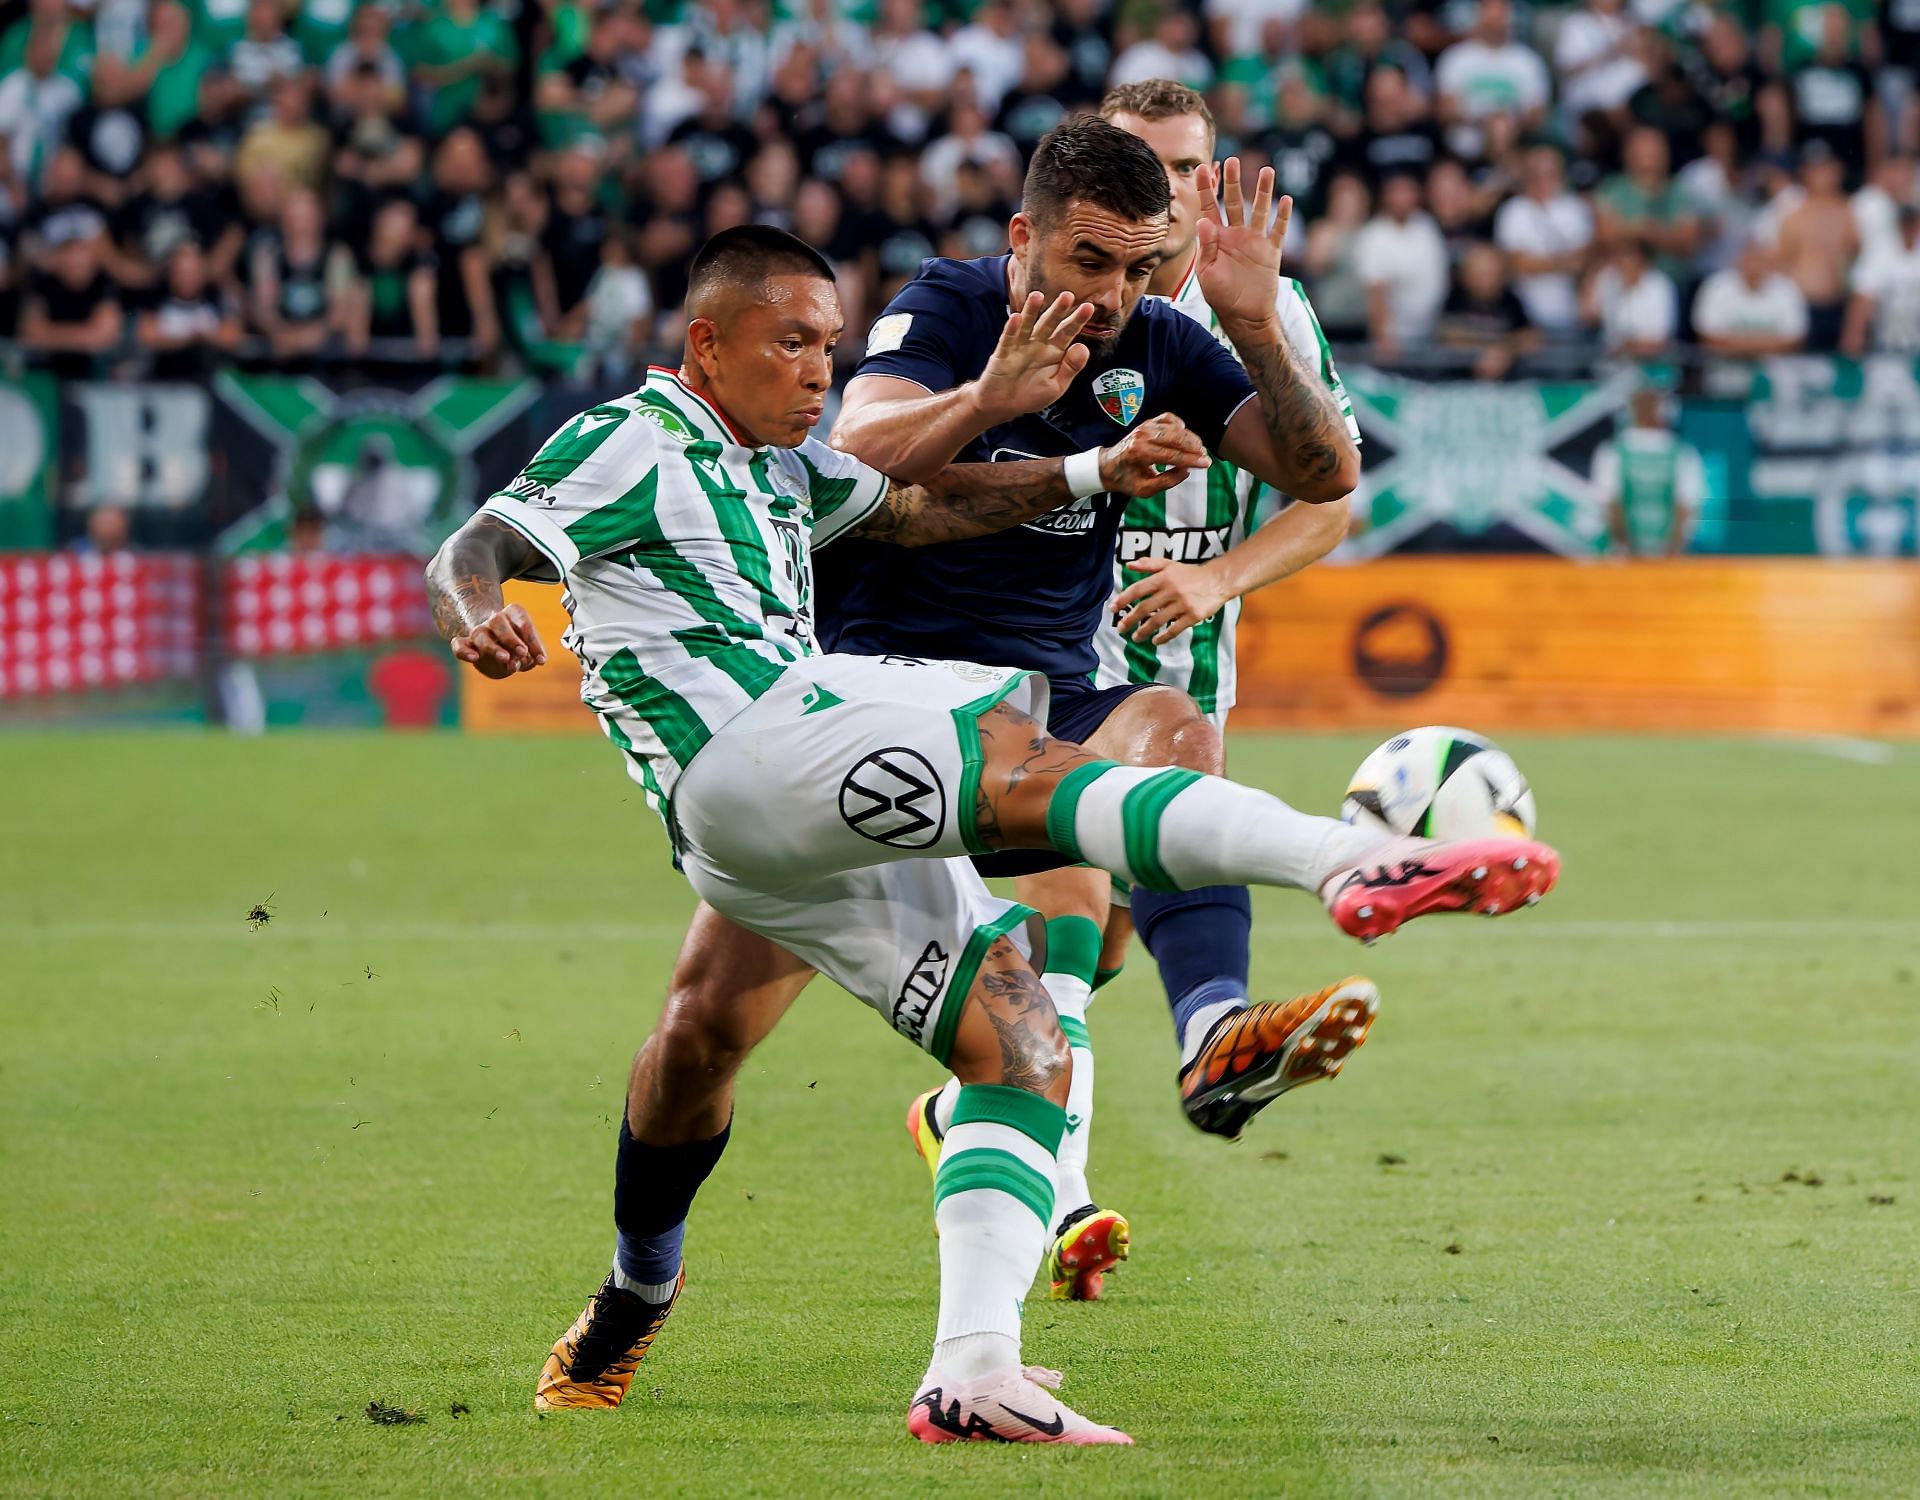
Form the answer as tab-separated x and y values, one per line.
1093	222
1092	225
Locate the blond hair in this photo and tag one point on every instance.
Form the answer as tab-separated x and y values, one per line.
1157	99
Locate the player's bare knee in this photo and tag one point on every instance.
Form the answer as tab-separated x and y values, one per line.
1163	727
1073	892
697	1039
1199	746
1180	735
681	1087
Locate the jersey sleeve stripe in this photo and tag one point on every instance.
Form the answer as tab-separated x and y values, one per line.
539	529
1238	408
613	526
573	445
860	498
1328	373
827	491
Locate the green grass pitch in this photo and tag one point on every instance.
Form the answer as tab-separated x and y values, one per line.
1620	1199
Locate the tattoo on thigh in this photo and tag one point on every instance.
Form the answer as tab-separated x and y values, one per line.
1015	748
1022	1016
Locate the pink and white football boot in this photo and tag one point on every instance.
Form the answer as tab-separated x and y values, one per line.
1404	878
1002	1406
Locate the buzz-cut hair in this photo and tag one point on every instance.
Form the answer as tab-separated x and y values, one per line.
749	255
1158	99
1086	160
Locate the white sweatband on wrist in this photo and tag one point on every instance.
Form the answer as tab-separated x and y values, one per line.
1083	474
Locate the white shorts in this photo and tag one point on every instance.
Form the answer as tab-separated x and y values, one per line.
833	816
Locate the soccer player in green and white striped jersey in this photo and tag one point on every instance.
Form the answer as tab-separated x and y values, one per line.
823	801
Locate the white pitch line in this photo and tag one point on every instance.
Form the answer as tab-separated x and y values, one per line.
616	932
1838	746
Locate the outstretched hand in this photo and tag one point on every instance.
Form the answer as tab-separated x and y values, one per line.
1172	599
1239	259
1153	458
502	644
1036	358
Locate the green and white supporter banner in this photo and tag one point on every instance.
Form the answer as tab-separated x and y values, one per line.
372	469
1818	455
1467	465
1802	455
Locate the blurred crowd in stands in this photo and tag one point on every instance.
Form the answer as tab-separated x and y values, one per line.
498	184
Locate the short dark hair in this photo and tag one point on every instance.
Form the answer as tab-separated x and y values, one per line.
749	255
1087	160
1157	99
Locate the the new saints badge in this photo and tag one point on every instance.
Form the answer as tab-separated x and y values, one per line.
1121	394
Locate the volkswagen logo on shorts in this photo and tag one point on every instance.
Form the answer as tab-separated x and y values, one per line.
893	798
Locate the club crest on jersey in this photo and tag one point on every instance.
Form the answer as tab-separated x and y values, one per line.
1121	394
671	423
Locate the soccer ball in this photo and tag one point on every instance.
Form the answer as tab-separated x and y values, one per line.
1440	783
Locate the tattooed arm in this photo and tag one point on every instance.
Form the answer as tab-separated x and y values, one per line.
1293	436
463	586
967	500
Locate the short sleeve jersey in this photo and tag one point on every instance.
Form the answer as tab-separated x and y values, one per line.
1032	596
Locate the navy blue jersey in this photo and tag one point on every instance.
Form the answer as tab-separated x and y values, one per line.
1032	596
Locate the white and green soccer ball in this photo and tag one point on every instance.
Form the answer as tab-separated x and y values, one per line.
1441	783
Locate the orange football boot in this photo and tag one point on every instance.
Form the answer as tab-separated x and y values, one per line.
593	1363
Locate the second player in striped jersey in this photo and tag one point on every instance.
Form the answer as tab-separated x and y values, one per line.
1181	567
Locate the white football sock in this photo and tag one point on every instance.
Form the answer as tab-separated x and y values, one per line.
1070	994
1172	829
1200	1023
943	1104
646	1291
993	1203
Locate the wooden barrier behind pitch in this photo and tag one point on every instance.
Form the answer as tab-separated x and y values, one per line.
1800	646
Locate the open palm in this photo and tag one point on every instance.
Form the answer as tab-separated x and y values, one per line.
1036	358
1239	262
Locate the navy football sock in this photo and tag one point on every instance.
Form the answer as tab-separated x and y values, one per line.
1202	940
653	1188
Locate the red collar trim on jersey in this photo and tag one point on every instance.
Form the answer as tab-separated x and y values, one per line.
713	408
1187	280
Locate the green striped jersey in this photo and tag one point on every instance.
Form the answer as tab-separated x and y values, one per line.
1200	518
1654	477
686	560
